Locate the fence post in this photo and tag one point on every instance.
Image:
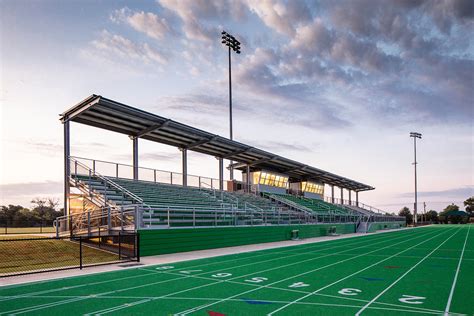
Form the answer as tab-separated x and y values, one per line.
120	246
89	223
137	246
80	252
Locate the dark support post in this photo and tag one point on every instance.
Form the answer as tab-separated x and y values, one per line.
135	158
184	154
67	167
332	194
119	246
80	252
350	199
248	178
342	195
221	174
357	198
137	246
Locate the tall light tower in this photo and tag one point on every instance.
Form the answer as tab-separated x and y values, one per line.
233	44
415	136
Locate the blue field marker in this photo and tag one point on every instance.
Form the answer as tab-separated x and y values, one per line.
255	302
371	279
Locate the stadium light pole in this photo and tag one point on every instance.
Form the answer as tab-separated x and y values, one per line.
234	45
415	135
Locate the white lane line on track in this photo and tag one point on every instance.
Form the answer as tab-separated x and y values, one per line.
28	309
308	247
279	267
350	275
448	305
264	286
404	274
154	272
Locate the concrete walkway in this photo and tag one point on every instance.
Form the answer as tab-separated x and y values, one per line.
171	258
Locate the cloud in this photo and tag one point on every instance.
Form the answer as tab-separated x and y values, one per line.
461	192
280	16
194	16
110	45
279	146
146	22
24	192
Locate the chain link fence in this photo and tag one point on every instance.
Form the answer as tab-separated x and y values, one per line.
32	255
26	227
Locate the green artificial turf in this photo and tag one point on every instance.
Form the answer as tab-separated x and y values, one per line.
422	271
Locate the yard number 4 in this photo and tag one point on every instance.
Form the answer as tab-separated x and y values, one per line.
257	280
410	299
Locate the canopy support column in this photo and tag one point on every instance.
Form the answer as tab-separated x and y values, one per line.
135	157
350	197
221	173
184	154
342	195
67	166
248	178
332	194
357	198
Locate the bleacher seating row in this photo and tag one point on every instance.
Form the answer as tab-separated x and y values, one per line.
208	207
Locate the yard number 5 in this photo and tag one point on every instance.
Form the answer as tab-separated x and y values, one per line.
349	291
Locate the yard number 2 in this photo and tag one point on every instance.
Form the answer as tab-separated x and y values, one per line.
410	299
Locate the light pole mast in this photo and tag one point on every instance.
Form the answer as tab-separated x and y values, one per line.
233	44
415	211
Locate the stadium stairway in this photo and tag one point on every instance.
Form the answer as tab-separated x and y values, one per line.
313	205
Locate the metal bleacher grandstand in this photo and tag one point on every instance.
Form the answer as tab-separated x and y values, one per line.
274	190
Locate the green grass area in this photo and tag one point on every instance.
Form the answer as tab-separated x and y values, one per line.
26	255
27	230
422	271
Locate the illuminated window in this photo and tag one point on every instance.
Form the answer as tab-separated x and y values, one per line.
312	187
271	179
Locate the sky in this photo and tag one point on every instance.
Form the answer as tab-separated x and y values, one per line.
334	84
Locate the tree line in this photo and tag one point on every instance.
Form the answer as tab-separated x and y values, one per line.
43	211
450	214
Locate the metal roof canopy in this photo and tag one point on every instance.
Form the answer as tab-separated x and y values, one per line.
110	115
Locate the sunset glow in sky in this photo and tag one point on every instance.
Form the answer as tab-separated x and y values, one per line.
334	84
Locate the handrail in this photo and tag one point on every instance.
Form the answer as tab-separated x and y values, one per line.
171	173
291	203
107	180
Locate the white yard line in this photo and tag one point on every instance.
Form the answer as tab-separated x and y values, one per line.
323	267
274	268
448	305
350	275
28	309
403	275
184	268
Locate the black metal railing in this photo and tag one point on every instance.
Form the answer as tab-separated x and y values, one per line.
32	255
27	227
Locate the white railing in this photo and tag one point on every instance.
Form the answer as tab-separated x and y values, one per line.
105	219
124	171
338	201
175	217
80	169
